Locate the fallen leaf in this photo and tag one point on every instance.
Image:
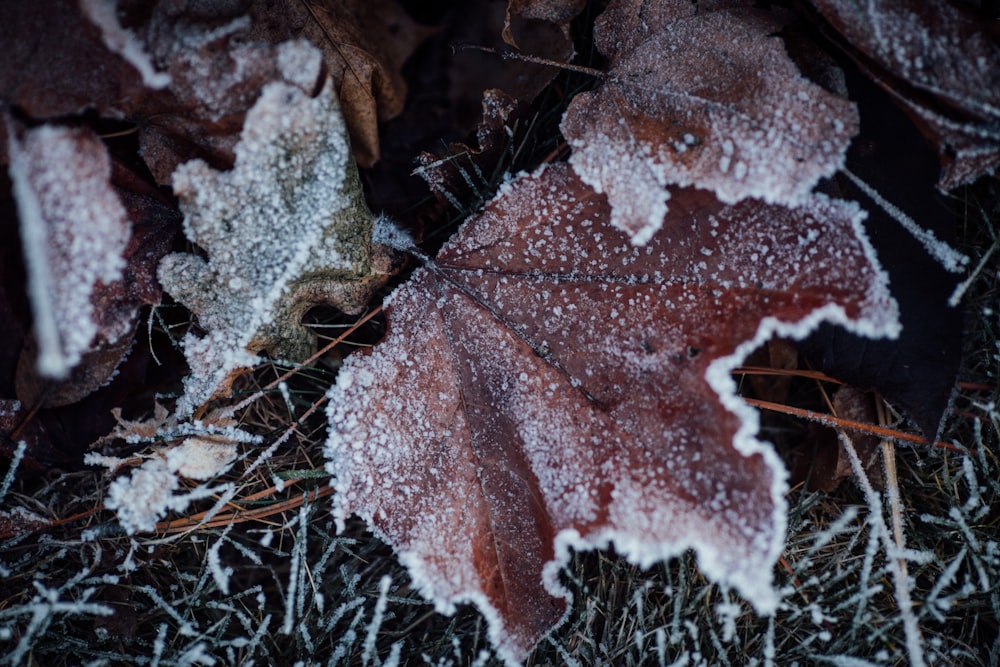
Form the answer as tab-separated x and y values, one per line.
115	305
364	43
77	73
20	521
17	426
546	385
461	168
286	229
74	230
940	64
216	74
482	23
703	97
893	175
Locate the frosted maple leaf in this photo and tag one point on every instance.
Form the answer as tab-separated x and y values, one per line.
546	385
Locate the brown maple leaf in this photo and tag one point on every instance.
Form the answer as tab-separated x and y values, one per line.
702	97
940	64
546	385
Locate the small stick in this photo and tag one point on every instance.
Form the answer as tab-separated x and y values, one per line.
763	370
851	425
510	55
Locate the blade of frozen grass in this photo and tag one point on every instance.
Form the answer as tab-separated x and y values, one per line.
901	579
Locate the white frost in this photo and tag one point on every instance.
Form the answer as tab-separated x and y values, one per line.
102	13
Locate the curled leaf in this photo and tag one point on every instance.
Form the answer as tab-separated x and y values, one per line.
941	65
74	229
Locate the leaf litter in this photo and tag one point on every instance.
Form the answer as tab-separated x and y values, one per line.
193	631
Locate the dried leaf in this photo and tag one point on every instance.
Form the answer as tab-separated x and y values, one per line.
216	75
115	305
462	169
557	12
545	385
894	166
364	45
285	230
19	521
940	64
17	425
705	97
78	72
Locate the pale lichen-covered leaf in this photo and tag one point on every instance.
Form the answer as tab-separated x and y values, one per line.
74	229
700	96
546	385
942	66
285	230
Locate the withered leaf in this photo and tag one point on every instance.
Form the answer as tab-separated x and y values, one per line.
115	305
940	64
700	96
890	161
74	230
20	521
462	168
216	74
286	229
558	13
546	385
76	72
364	43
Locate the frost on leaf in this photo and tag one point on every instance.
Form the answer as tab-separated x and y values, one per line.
703	97
285	230
545	385
74	229
939	62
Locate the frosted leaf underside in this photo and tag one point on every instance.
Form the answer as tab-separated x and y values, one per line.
704	98
545	384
